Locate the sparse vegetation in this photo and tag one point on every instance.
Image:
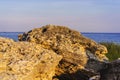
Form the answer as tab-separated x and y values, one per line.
113	50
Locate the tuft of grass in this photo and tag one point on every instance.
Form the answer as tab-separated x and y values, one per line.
113	50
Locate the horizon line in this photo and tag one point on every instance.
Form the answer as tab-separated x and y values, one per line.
78	31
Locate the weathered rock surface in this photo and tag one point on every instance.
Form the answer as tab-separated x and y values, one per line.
56	37
55	53
26	61
74	48
112	72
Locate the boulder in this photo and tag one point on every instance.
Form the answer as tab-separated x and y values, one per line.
73	46
56	37
26	61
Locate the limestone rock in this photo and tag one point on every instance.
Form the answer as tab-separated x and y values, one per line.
56	37
4	44
26	61
72	45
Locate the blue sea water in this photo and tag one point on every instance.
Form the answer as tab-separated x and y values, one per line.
98	37
12	35
104	37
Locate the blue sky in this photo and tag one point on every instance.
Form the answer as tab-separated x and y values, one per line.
81	15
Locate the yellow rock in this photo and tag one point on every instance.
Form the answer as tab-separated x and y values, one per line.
26	61
70	44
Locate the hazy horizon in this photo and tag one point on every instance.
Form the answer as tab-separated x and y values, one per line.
82	15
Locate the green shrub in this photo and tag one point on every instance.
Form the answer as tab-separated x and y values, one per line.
113	50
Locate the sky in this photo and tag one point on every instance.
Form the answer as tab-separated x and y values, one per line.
81	15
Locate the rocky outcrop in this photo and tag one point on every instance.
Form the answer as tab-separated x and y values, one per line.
26	61
73	46
55	53
55	37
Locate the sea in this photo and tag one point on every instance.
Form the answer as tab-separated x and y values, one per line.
98	37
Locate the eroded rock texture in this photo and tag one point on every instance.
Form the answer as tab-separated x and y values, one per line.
60	38
26	61
73	46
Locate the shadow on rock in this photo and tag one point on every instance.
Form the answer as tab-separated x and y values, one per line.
112	72
79	75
